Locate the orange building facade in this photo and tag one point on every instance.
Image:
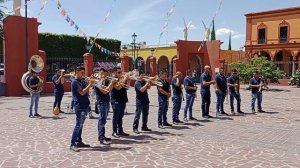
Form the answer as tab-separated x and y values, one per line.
275	34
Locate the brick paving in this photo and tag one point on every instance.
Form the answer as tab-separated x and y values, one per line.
270	139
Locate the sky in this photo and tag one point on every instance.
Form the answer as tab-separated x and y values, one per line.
147	17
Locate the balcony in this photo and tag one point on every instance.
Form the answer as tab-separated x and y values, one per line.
261	41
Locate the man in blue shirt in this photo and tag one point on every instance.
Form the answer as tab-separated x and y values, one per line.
142	103
164	93
58	82
34	84
81	99
205	91
221	90
118	102
233	82
177	96
256	85
103	99
190	90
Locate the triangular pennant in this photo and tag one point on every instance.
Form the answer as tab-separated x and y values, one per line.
58	4
72	23
68	18
63	12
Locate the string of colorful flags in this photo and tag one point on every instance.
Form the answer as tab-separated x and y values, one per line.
44	3
90	41
166	24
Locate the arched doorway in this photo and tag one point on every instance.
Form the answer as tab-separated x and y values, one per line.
283	61
141	64
148	65
196	67
264	54
172	66
163	64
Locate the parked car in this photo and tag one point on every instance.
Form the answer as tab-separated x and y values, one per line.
1	69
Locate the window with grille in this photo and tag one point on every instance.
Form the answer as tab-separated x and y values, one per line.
261	36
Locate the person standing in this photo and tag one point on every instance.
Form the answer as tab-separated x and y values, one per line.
190	90
142	103
118	102
58	82
80	94
34	84
233	82
177	96
205	91
221	90
102	103
256	84
164	93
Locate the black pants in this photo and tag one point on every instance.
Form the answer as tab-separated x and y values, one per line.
205	103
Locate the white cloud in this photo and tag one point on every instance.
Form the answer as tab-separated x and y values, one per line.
226	31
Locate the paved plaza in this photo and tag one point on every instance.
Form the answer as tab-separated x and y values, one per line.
270	139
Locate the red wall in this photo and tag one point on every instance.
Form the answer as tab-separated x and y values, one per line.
14	51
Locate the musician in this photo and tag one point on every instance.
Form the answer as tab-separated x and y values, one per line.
233	82
177	96
80	92
190	90
164	93
118	102
256	85
102	103
34	84
142	103
205	91
221	89
58	80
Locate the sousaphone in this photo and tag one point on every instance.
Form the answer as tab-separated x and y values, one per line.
36	64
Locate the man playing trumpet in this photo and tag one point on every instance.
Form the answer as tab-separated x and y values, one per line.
205	91
142	102
177	96
233	82
190	90
58	82
118	102
256	84
102	103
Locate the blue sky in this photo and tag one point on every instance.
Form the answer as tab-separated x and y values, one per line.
147	17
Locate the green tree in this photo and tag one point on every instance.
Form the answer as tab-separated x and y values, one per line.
295	79
213	32
267	69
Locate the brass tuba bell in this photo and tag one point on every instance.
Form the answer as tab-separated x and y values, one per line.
36	64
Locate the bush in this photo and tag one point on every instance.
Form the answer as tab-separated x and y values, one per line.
295	79
267	69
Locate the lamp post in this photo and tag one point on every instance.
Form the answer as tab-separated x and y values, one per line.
134	36
26	35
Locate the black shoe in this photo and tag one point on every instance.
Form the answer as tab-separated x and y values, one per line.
167	124
74	149
210	116
37	115
107	139
161	126
116	135
261	111
240	112
123	134
104	142
82	145
192	118
146	129
136	131
30	116
223	113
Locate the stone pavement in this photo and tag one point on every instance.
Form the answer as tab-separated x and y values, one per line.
270	139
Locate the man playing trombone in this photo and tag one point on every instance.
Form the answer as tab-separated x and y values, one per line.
118	102
142	103
102	103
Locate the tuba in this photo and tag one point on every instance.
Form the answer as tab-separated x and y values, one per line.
36	64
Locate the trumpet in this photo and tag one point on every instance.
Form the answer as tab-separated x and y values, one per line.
154	80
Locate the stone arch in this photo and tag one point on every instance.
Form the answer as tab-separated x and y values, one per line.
147	66
264	54
195	65
172	65
163	63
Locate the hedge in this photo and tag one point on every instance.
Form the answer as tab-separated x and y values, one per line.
61	45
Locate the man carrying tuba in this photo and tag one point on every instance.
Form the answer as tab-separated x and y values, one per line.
34	84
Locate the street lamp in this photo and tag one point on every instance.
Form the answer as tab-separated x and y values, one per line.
152	52
26	35
134	36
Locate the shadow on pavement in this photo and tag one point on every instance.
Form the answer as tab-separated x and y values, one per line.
268	112
223	118
193	124
164	133
52	117
178	127
128	141
106	148
142	137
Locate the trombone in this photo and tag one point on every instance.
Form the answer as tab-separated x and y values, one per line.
154	80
